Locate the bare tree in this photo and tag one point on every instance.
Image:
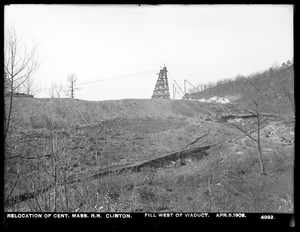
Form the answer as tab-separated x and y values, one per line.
58	89
282	83
201	87
255	91
210	84
192	90
286	88
52	90
29	87
19	65
72	81
55	90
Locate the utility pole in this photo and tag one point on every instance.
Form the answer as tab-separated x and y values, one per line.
174	91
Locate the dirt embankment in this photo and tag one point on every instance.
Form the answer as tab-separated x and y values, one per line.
91	139
39	112
91	134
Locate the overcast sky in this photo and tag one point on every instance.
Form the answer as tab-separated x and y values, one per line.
129	43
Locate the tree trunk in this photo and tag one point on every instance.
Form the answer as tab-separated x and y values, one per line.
72	90
8	118
262	166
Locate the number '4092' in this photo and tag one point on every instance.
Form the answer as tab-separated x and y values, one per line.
267	217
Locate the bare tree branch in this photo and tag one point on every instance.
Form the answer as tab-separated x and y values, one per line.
18	68
29	88
247	133
52	90
58	90
72	81
55	90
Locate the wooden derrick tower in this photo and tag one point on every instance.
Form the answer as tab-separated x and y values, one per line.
162	87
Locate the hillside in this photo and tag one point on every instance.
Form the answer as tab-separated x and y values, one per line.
36	112
124	127
277	84
142	155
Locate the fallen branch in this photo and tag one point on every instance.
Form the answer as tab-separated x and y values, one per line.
197	139
82	116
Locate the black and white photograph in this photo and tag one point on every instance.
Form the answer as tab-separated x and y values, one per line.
150	109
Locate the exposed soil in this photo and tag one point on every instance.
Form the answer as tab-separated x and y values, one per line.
91	139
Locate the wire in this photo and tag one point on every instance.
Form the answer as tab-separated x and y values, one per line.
118	77
108	79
